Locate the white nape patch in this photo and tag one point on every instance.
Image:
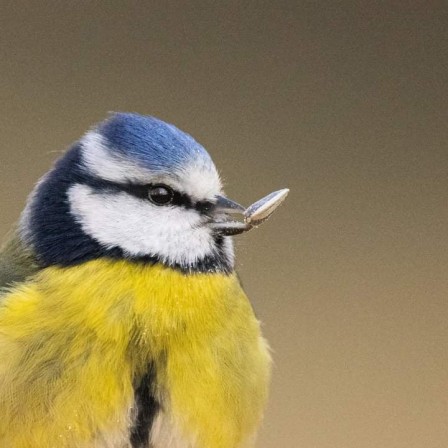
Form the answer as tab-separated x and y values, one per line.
110	166
174	234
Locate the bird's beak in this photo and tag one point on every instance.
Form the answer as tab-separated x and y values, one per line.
251	217
222	222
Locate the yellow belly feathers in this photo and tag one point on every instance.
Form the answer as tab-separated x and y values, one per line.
73	340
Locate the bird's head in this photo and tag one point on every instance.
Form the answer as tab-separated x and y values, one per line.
134	187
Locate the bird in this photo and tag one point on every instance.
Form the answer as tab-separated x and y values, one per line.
123	323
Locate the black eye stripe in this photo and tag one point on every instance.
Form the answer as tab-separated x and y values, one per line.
141	192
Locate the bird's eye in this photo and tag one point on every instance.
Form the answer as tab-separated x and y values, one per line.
160	194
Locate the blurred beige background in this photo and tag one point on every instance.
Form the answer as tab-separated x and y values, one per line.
343	102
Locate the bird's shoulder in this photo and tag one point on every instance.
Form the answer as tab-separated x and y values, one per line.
17	260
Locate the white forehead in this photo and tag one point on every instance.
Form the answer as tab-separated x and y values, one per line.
198	179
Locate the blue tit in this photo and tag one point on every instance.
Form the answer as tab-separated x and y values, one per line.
122	321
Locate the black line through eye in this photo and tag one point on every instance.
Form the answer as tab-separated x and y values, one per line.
143	191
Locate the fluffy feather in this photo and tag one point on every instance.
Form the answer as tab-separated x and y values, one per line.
74	341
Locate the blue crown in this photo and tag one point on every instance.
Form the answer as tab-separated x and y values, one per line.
153	143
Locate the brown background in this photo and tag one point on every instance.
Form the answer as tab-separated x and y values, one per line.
343	102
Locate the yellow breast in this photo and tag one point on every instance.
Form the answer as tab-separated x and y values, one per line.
103	323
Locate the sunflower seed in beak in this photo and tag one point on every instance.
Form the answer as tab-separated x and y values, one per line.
261	210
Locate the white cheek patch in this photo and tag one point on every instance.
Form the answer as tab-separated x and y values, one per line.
110	166
174	234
